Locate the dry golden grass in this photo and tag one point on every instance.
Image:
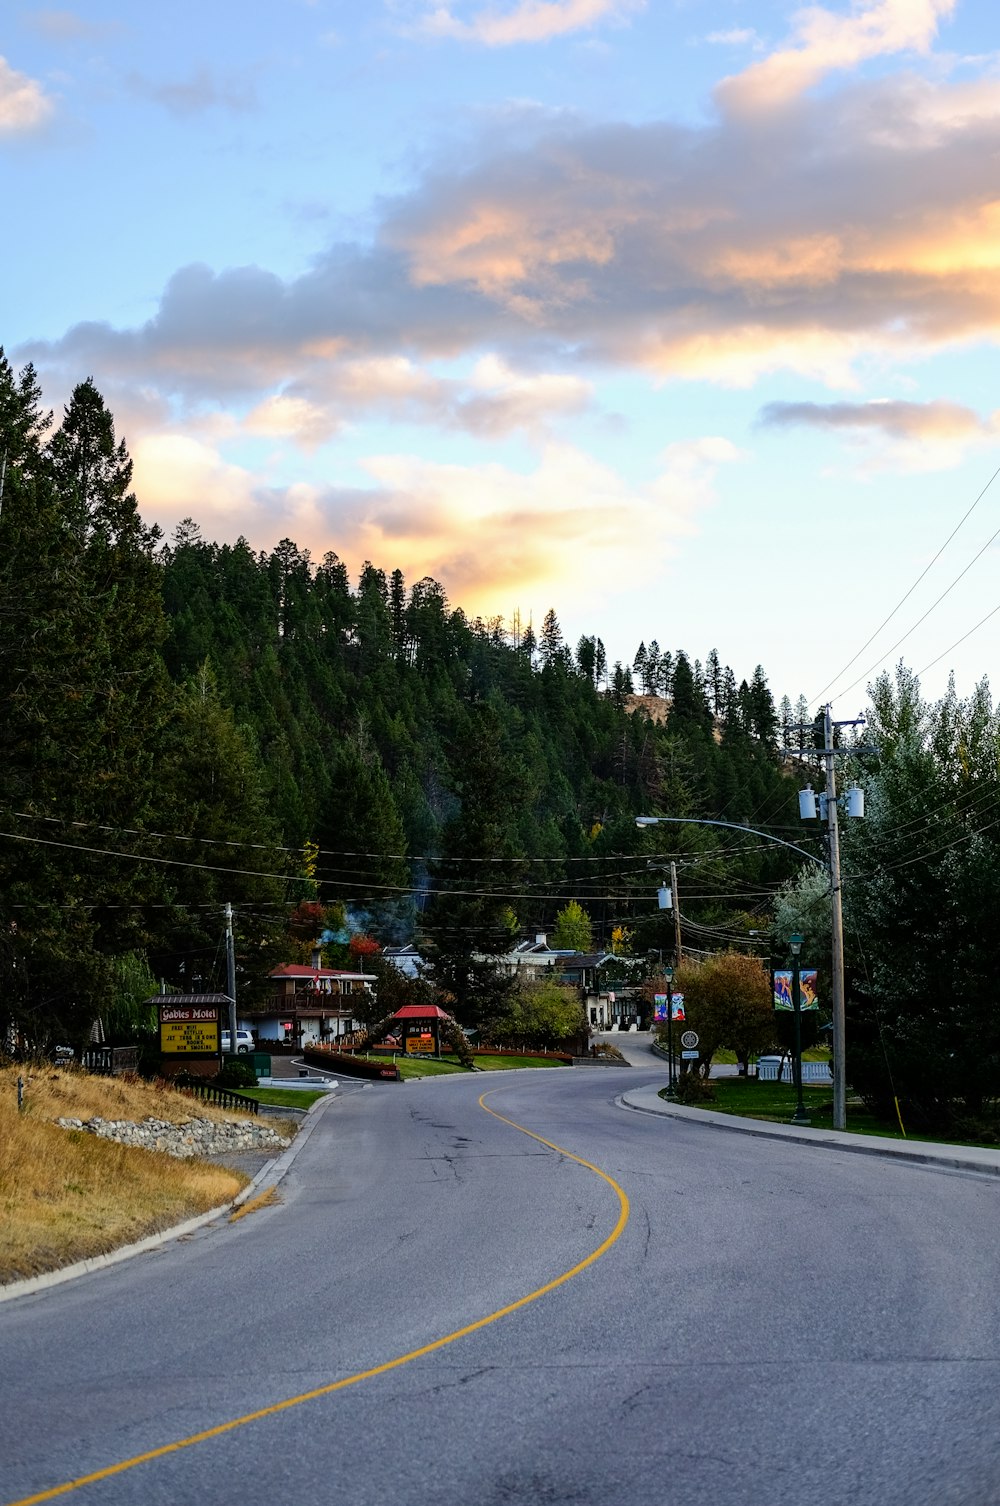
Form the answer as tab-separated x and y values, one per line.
66	1195
265	1199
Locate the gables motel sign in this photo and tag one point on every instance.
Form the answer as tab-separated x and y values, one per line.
191	1031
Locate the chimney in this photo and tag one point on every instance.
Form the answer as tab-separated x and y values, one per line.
541	939
316	960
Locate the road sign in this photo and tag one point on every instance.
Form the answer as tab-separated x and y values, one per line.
689	1039
689	1056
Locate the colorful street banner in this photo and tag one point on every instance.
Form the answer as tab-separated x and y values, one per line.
808	989
659	1007
677	1007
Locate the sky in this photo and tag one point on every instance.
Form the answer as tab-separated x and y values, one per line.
679	317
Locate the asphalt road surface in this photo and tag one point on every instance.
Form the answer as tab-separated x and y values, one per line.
711	1319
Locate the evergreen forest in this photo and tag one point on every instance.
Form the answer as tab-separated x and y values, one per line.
189	724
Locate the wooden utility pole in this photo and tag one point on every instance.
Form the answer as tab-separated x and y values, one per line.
677	915
231	978
837	932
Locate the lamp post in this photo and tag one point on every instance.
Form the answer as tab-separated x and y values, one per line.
808	809
668	974
795	946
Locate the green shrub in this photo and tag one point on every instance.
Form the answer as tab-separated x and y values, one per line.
236	1074
458	1041
694	1089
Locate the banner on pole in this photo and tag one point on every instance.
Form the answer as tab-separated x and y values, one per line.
808	989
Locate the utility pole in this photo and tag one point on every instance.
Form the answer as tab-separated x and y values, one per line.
231	978
837	932
826	805
677	917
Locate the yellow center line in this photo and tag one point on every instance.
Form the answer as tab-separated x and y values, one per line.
352	1380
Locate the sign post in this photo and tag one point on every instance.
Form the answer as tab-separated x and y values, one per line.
789	987
190	1033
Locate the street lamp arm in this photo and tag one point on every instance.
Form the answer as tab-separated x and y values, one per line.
733	826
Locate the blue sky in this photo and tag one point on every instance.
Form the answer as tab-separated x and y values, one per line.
678	316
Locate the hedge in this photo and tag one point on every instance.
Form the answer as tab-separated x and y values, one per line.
350	1066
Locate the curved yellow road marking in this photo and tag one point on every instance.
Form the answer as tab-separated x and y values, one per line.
352	1380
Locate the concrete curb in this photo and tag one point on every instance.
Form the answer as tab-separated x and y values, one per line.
982	1159
268	1176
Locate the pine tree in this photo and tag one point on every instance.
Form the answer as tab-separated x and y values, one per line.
551	641
651	679
713	683
87	700
763	720
600	663
586	658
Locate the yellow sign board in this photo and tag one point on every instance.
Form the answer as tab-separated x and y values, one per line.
420	1045
195	1036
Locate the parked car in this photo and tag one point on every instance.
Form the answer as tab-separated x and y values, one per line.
244	1042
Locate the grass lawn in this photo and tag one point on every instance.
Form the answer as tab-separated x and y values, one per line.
409	1067
775	1101
502	1063
285	1098
426	1067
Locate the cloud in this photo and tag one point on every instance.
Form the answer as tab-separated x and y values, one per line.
736	36
283	416
63	25
892	433
193	96
493	401
179	476
495	537
823	41
900	420
863	224
501	400
525	21
24	105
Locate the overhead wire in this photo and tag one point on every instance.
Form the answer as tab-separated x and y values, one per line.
969	634
905	597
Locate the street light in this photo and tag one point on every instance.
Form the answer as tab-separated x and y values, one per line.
795	946
668	974
808	809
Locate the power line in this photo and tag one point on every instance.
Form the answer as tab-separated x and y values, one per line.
969	634
907	594
921	857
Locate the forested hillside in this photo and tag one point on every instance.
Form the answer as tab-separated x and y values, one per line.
188	722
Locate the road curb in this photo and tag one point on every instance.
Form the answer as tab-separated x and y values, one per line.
268	1176
646	1100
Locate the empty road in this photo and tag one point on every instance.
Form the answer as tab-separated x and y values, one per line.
538	1298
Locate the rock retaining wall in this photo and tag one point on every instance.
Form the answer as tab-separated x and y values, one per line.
193	1137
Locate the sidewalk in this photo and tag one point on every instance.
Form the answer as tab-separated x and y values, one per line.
981	1158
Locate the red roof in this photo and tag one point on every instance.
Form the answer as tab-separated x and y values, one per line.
420	1012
